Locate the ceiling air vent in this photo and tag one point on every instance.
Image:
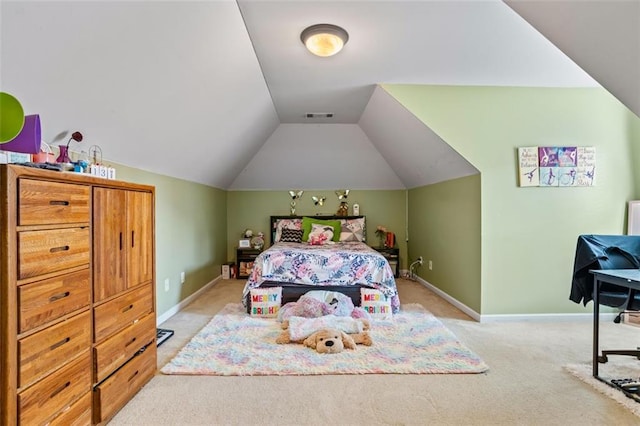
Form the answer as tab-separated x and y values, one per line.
319	115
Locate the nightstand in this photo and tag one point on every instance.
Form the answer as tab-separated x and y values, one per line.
244	261
392	255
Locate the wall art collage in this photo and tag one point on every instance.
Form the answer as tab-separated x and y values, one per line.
557	166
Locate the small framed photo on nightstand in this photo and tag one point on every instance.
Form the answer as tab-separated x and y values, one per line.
244	243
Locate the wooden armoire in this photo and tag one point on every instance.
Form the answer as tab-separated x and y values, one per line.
77	295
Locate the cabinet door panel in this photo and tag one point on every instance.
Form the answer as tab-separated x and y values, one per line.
140	234
109	237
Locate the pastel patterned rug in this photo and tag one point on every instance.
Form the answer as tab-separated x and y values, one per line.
236	344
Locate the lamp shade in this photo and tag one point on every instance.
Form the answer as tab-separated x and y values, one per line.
12	117
29	138
324	39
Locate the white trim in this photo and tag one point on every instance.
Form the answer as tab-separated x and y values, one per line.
488	318
545	317
177	308
464	308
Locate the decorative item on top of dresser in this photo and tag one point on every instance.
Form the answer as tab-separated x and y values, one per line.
61	349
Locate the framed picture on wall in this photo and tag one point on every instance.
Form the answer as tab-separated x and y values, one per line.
244	243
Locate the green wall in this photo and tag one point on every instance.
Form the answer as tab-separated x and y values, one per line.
529	234
444	225
191	234
252	209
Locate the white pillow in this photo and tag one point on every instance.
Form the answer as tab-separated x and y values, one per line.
320	234
265	302
375	303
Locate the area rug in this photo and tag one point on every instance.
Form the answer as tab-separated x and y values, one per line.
611	371
236	344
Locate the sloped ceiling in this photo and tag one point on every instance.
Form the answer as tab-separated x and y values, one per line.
214	91
603	37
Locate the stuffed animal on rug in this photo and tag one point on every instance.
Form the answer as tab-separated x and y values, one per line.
329	341
318	303
299	329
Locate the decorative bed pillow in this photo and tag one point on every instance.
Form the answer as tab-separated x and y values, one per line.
308	221
291	236
320	234
352	230
286	224
265	302
375	303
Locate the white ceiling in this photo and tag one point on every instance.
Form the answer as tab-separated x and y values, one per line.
204	90
420	42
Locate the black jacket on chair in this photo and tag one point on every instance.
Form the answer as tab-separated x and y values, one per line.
605	252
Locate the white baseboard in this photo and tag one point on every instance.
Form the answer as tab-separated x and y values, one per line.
464	308
607	316
177	308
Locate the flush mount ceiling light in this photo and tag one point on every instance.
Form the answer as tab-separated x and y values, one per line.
324	39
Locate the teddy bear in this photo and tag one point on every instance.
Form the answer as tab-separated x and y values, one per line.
305	331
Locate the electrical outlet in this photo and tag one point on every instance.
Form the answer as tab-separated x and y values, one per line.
420	260
182	277
430	265
166	284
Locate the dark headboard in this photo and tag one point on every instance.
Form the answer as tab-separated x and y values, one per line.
275	219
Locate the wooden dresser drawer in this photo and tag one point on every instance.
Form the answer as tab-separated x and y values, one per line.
46	350
122	311
43	301
115	351
43	202
41	252
79	414
52	395
114	392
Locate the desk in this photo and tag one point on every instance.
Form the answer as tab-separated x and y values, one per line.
627	278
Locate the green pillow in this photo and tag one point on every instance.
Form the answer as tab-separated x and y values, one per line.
308	221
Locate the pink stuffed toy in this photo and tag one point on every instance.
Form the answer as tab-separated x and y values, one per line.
318	303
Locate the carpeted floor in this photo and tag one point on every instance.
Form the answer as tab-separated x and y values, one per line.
526	385
237	344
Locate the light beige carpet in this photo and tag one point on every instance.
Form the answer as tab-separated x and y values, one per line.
527	384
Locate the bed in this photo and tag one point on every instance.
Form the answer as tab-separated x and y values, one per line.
345	265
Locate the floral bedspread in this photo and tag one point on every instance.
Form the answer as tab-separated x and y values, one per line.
339	264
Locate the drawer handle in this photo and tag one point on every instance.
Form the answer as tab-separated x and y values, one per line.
127	308
59	203
121	241
131	341
60	389
57	249
132	376
60	343
59	296
133	233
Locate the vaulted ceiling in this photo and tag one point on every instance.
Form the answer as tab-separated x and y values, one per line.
216	92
